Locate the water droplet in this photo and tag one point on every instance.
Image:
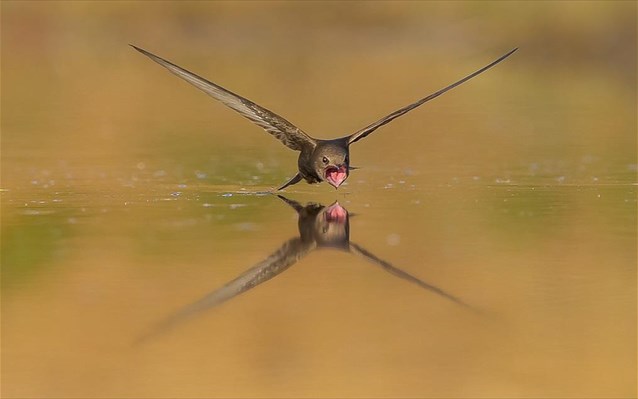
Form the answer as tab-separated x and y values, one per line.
393	239
200	175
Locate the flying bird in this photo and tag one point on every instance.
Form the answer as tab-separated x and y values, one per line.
319	159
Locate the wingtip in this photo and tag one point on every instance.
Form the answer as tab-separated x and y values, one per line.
141	50
504	56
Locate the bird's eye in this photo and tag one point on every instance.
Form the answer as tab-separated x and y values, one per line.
325	160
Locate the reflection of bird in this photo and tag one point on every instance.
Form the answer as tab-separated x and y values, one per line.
319	160
319	227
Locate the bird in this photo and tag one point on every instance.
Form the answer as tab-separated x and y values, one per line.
319	227
319	160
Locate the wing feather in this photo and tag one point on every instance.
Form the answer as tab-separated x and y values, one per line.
280	128
389	118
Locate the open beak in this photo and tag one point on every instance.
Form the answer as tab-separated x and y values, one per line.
335	175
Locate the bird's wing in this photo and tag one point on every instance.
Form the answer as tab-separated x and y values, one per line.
286	132
293	180
356	249
387	119
287	255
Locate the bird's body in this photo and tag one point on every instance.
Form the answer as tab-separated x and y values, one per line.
319	160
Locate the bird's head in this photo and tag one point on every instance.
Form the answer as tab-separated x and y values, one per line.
332	163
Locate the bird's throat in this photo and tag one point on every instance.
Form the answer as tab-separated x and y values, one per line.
336	175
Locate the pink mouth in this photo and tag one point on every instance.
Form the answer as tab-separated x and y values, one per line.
336	176
336	213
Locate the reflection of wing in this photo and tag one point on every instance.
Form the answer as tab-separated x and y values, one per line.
286	132
294	204
354	248
389	118
286	256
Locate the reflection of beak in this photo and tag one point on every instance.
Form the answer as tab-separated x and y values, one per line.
336	213
335	175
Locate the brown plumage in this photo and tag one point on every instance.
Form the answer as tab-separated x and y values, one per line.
319	160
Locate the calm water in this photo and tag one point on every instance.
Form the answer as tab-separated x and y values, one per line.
486	247
436	290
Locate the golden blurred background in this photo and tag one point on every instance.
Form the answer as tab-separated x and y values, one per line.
73	89
121	199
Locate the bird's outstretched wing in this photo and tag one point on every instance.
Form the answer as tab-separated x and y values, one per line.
354	248
293	180
286	132
389	118
287	255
